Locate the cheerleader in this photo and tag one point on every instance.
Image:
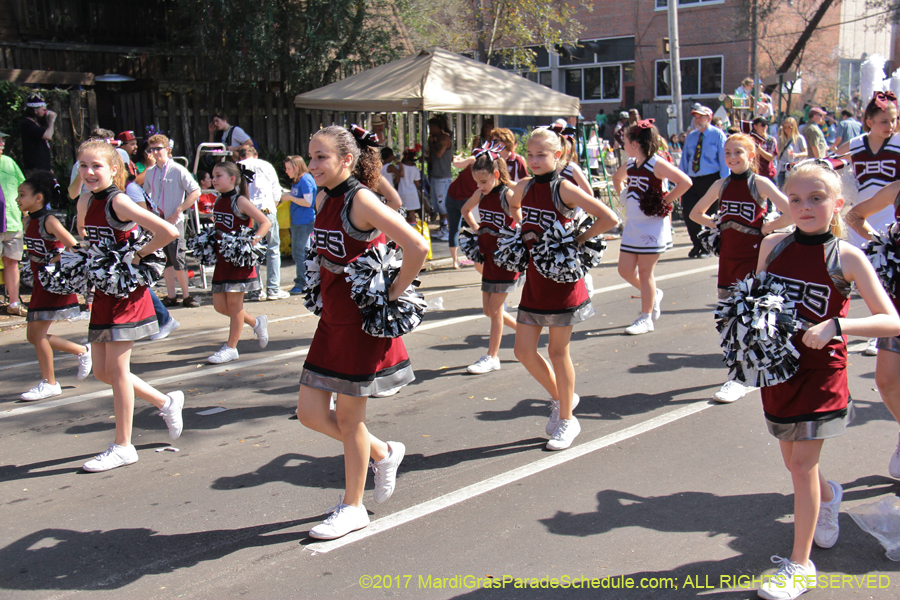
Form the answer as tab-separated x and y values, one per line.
45	237
537	203
887	365
875	156
568	164
743	199
106	213
232	211
492	201
343	359
814	404
648	227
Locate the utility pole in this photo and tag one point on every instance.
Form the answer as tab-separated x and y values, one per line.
754	36
675	62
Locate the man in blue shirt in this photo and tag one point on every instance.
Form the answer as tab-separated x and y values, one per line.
703	160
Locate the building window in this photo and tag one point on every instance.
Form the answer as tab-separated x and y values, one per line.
601	83
700	76
664	4
545	78
849	79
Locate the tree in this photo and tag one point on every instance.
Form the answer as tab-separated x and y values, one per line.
304	44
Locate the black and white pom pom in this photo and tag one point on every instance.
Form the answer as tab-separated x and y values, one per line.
204	246
370	277
238	249
755	325
73	269
710	238
312	290
557	255
883	251
26	276
110	269
468	243
591	252
511	253
55	279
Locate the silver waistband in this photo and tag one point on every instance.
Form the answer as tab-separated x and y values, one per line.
740	227
891	344
812	430
563	319
360	389
59	314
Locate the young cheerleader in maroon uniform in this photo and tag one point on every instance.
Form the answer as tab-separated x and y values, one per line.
106	213
343	359
742	200
538	202
45	237
232	211
647	235
887	365
814	404
492	201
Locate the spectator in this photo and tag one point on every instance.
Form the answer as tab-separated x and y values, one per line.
487	126
390	170
303	215
143	160
37	131
265	194
601	119
410	184
746	88
440	156
829	130
173	190
766	148
128	144
221	132
11	236
206	201
619	137
703	160
378	124
848	129
812	131
791	147
633	116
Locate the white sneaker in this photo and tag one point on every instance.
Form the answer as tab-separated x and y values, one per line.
167	328
386	393
589	284
261	329
277	295
641	325
657	304
789	581
224	355
115	456
85	362
872	347
827	526
172	415
554	414
894	465
342	520
731	391
485	364
386	472
565	434
41	391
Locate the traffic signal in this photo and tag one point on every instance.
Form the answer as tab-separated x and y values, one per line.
662	45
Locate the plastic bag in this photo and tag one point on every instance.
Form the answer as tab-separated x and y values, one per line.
881	519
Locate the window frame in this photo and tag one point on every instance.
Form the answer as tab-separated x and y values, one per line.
564	77
721	57
681	5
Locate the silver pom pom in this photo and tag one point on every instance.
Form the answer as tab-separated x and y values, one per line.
370	277
511	253
468	243
591	251
204	245
755	325
883	251
556	255
26	276
238	249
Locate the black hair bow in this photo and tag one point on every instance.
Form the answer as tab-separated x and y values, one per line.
561	130
247	173
364	138
493	150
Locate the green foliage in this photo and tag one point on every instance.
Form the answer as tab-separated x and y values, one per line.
305	44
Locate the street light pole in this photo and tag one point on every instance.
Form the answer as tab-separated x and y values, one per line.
675	62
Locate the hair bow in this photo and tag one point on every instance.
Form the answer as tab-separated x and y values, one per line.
832	164
560	130
247	174
882	99
493	150
57	189
363	137
645	123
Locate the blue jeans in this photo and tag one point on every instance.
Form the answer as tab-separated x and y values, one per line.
273	256
162	313
299	245
454	219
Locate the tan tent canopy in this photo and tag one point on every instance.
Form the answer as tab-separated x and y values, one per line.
436	80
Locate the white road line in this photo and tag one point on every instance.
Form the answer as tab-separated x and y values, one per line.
185	377
426	508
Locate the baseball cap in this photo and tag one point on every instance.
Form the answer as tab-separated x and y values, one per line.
3	135
817	111
702	110
126	136
623	115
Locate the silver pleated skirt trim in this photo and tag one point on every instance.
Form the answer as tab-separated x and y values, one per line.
891	344
360	389
582	313
125	333
813	430
60	314
221	288
498	287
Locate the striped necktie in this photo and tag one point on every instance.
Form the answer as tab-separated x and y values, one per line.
695	165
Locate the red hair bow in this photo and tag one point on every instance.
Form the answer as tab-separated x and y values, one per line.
645	123
364	137
882	99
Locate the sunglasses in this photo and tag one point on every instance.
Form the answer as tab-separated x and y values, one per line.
156	149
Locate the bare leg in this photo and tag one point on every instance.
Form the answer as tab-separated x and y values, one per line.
112	365
887	377
36	334
527	337
454	254
646	264
169	277
11	276
493	309
810	489
182	277
628	268
558	349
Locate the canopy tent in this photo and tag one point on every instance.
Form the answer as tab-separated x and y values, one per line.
436	80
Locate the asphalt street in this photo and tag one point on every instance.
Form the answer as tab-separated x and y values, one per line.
665	494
